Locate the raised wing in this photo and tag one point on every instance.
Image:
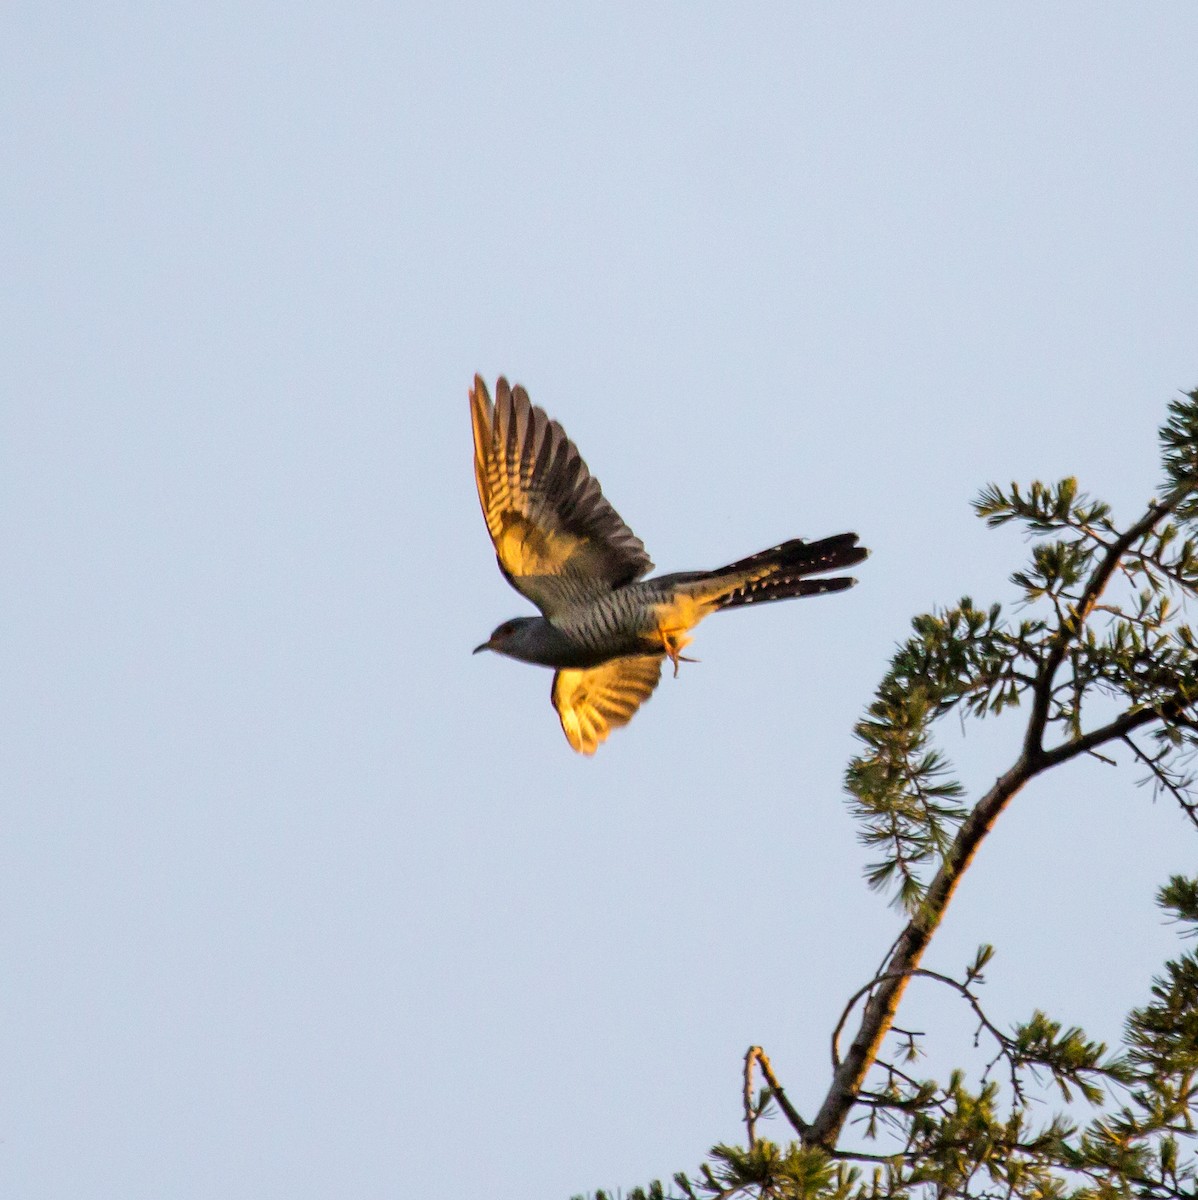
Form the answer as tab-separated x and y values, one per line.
557	539
592	703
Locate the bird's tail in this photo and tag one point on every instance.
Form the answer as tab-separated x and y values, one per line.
778	573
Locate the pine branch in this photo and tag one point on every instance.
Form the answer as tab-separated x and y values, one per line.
886	991
1069	627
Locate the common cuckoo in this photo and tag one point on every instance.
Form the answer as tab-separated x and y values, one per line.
604	629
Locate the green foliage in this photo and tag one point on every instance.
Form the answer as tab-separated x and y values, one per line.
1180	897
1148	1140
764	1170
1042	508
1102	621
1100	662
1072	1060
1179	439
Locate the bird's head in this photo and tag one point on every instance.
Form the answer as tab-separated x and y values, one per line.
508	637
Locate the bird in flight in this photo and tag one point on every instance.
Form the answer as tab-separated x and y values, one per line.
603	628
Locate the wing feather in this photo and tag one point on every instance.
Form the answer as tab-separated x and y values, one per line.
557	539
593	702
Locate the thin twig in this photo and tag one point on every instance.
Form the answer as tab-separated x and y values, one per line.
755	1054
861	1156
1188	806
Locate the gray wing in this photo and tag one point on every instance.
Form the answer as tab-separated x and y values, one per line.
557	538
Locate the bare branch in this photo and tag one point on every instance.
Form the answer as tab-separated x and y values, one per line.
750	1111
755	1054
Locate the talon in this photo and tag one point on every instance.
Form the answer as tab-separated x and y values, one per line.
677	658
672	645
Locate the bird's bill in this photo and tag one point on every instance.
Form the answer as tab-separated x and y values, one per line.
485	646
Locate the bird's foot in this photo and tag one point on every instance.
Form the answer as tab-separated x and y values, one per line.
677	658
672	644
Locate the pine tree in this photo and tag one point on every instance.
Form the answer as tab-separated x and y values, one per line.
1099	662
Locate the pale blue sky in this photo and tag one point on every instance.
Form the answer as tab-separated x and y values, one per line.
297	898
